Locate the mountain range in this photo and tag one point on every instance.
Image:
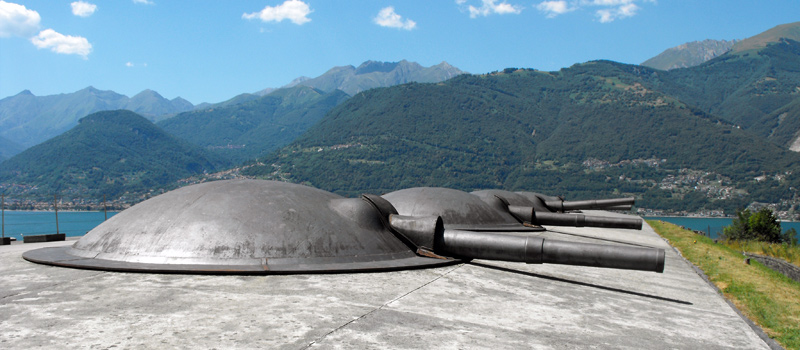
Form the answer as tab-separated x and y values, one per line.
714	136
530	130
694	53
28	120
722	130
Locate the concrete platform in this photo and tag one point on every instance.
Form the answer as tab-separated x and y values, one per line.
483	304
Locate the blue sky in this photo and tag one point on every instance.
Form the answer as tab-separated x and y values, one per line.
209	51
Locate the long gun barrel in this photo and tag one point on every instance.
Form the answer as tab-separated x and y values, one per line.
536	250
607	204
529	214
428	233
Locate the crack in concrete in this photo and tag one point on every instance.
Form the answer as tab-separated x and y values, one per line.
315	341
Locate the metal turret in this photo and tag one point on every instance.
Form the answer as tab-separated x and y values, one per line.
421	220
269	227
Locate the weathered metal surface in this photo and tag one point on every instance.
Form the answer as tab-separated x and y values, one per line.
243	226
458	209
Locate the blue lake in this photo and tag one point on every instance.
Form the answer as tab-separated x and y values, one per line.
713	226
72	223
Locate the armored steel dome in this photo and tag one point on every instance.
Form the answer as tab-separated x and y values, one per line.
241	226
458	209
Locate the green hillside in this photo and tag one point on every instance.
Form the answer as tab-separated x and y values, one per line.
111	153
8	148
748	88
586	131
784	31
246	130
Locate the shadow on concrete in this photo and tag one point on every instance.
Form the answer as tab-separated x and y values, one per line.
584	284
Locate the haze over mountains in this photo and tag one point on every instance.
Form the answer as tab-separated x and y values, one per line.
28	120
689	54
249	129
714	136
373	74
694	53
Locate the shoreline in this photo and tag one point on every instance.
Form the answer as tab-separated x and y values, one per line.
650	217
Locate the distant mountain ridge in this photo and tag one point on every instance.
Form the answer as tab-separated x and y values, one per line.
697	52
27	119
689	54
374	74
789	31
255	125
108	152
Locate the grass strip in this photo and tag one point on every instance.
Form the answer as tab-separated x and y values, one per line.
776	250
766	297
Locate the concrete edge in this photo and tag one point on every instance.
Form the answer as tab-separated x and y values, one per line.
756	328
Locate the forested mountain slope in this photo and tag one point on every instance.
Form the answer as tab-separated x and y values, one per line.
531	130
244	131
111	153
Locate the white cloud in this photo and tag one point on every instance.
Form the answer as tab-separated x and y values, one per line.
293	10
490	7
17	20
388	18
606	2
131	64
60	43
606	11
83	9
609	15
554	8
143	2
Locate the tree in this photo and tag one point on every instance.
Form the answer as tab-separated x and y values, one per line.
762	225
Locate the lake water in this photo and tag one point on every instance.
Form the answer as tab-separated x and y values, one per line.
713	226
72	223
